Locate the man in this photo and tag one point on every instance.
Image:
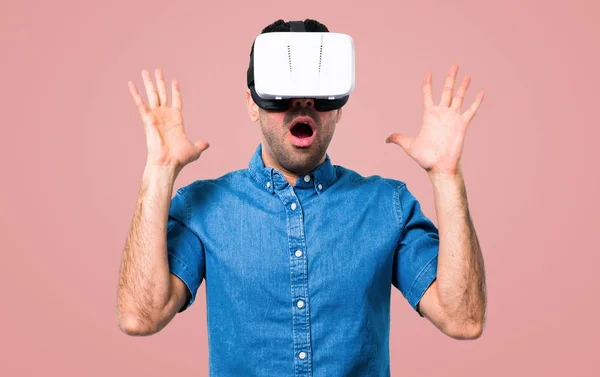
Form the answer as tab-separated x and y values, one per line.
299	255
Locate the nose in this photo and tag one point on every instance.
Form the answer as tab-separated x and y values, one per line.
303	102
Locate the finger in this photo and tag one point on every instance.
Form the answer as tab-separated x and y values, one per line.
402	140
427	91
460	94
137	98
472	110
201	145
162	88
176	93
449	86
150	91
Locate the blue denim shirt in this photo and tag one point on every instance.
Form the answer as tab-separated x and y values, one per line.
298	278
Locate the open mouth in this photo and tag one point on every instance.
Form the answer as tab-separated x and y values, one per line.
302	130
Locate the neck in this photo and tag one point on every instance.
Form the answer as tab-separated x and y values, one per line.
269	161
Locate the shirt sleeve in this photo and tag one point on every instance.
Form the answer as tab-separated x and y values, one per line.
415	260
185	250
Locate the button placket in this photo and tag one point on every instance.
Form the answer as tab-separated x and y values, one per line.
299	281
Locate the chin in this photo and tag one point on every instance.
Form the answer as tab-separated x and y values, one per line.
301	161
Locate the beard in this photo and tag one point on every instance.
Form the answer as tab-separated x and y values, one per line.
297	160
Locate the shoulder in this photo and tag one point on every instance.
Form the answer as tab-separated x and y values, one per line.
349	176
202	188
393	192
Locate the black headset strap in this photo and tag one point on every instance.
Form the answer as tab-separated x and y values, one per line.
297	26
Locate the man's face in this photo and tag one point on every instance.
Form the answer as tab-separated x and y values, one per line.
297	139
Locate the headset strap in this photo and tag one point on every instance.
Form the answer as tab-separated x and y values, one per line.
297	26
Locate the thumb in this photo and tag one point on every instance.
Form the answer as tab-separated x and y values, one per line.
402	140
201	145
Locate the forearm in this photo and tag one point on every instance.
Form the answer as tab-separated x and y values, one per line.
144	278
460	274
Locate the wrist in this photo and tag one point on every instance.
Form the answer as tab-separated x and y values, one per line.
446	178
161	174
434	174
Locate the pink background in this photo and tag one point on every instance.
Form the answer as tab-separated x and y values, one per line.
73	151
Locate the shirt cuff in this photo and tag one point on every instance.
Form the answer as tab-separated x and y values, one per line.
426	277
180	269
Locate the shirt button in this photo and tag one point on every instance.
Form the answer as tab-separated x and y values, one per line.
298	253
300	304
293	206
302	355
268	184
320	186
307	178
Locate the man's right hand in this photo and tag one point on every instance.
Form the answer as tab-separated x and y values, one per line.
167	143
149	295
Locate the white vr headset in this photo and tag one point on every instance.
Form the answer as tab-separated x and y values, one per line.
300	64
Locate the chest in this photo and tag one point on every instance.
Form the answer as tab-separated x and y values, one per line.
328	244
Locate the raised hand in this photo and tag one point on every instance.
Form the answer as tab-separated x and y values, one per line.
167	143
438	146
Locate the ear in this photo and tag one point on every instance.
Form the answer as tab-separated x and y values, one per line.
252	107
339	115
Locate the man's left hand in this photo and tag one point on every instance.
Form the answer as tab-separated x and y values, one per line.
438	146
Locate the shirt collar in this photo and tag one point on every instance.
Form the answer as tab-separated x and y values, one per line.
271	179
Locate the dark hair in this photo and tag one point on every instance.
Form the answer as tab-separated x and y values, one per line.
280	25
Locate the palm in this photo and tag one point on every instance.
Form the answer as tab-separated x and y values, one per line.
440	140
167	143
439	144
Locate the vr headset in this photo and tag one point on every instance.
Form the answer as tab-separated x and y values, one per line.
300	64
